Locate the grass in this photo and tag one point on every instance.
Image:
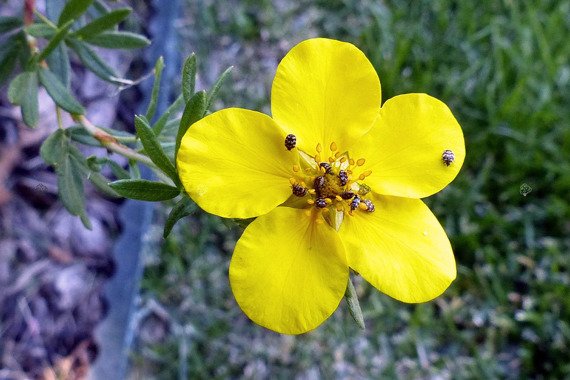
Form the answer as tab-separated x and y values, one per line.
503	67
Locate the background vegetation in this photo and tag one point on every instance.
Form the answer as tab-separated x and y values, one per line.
503	67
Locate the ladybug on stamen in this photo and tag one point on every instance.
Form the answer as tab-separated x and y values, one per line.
299	190
355	202
343	176
319	184
347	195
369	205
326	166
321	202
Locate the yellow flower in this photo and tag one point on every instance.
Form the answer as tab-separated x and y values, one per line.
334	181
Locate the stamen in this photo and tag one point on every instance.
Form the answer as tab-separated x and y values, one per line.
319	148
310	201
328	201
333	147
331	159
337	154
364	175
317	158
338	198
296	168
312	191
292	181
342	159
351	161
360	161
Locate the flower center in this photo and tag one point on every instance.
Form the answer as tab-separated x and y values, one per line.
331	183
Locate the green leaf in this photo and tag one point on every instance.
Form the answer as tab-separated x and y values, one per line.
92	61
58	62
144	190
189	77
216	88
9	23
79	134
354	305
54	148
70	185
181	209
8	58
55	40
119	40
194	111
41	30
153	149
59	93
72	10
103	23
102	184
158	67
162	120
23	91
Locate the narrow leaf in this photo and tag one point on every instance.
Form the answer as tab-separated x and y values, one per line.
181	209
144	190
92	61
103	23
158	67
70	186
102	184
55	40
8	23
58	62
354	305
79	134
119	40
216	88
72	10
41	30
23	90
194	111
59	93
189	77
161	122
8	57
153	149
53	149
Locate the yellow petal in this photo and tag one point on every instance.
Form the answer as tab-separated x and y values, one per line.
400	248
233	163
404	148
288	273
325	91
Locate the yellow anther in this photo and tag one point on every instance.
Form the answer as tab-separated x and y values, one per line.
342	159
333	147
310	201
337	154
317	158
328	201
338	198
292	181
319	148
331	159
351	161
312	191
360	161
363	206
349	171
364	175
296	168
